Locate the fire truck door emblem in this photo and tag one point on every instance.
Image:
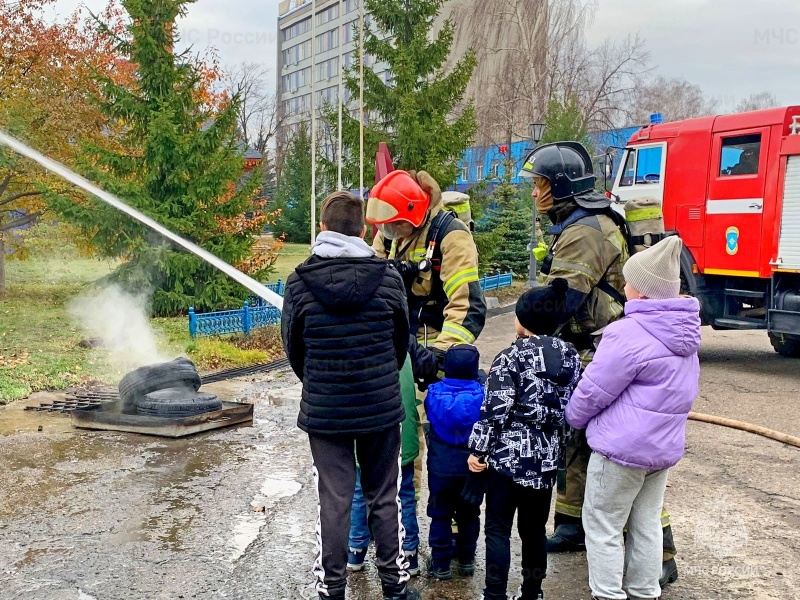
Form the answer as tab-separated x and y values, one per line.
732	240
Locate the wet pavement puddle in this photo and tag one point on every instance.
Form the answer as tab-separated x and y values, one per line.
279	485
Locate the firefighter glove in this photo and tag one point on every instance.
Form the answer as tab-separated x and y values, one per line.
425	362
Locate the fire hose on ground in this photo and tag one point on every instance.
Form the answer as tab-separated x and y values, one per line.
749	427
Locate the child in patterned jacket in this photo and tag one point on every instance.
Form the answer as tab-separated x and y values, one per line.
520	436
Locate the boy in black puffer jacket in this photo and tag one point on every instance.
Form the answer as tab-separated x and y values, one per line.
345	331
520	435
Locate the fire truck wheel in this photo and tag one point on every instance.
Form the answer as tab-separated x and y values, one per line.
785	346
179	402
180	372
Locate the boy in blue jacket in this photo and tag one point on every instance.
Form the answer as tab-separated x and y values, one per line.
453	406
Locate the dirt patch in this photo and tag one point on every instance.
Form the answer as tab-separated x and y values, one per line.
267	339
508	295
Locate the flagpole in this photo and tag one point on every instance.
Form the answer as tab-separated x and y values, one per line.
340	68
313	122
361	98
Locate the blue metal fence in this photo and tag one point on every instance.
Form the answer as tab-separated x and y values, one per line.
257	313
496	281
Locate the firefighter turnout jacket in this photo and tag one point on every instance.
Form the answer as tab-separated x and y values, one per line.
447	301
588	251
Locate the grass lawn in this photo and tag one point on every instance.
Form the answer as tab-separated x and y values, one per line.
39	340
291	255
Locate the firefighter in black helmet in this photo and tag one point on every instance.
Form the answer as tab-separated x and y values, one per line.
589	249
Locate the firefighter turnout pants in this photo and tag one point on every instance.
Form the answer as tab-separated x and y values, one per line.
572	486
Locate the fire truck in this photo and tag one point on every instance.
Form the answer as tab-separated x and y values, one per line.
729	185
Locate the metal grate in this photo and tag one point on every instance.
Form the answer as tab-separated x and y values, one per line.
68	404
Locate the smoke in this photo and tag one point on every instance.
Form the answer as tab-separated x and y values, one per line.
119	321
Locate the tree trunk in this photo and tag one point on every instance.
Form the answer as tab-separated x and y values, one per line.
2	264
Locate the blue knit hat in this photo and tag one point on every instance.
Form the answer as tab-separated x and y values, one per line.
461	362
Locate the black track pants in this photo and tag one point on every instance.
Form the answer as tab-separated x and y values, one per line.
335	475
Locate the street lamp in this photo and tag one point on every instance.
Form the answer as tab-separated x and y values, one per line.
537	133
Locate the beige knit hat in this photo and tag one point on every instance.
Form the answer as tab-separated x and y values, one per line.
656	272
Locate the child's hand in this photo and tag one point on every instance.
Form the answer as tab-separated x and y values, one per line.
475	464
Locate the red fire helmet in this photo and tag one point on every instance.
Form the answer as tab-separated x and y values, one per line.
397	197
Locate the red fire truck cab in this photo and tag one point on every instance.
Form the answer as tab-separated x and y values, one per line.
730	186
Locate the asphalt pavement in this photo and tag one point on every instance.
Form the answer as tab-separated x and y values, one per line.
231	513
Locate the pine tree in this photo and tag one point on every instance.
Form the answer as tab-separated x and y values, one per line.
294	190
508	228
565	122
415	112
176	160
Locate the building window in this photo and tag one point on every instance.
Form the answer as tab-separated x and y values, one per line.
328	40
465	173
329	14
350	6
298	105
351	58
495	172
328	96
740	155
479	172
297	29
294	81
350	30
328	69
297	53
387	77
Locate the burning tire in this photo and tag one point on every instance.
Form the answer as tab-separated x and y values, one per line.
177	403
179	373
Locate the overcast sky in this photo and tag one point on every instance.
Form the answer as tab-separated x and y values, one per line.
730	48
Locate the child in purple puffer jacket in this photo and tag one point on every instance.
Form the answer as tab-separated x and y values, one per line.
634	400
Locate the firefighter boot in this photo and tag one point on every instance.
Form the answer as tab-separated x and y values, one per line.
568	536
669	573
669	568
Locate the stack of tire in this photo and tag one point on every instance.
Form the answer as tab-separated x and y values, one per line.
166	390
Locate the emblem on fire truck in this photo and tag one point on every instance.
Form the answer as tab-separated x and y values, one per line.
732	240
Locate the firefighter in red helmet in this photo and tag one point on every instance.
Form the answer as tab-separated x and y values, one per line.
436	255
437	258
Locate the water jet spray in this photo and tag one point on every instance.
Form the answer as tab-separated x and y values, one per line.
48	163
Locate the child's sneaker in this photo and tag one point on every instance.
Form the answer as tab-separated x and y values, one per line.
413	563
442	574
355	559
519	596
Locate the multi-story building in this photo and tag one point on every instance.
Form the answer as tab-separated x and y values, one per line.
313	51
321	48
